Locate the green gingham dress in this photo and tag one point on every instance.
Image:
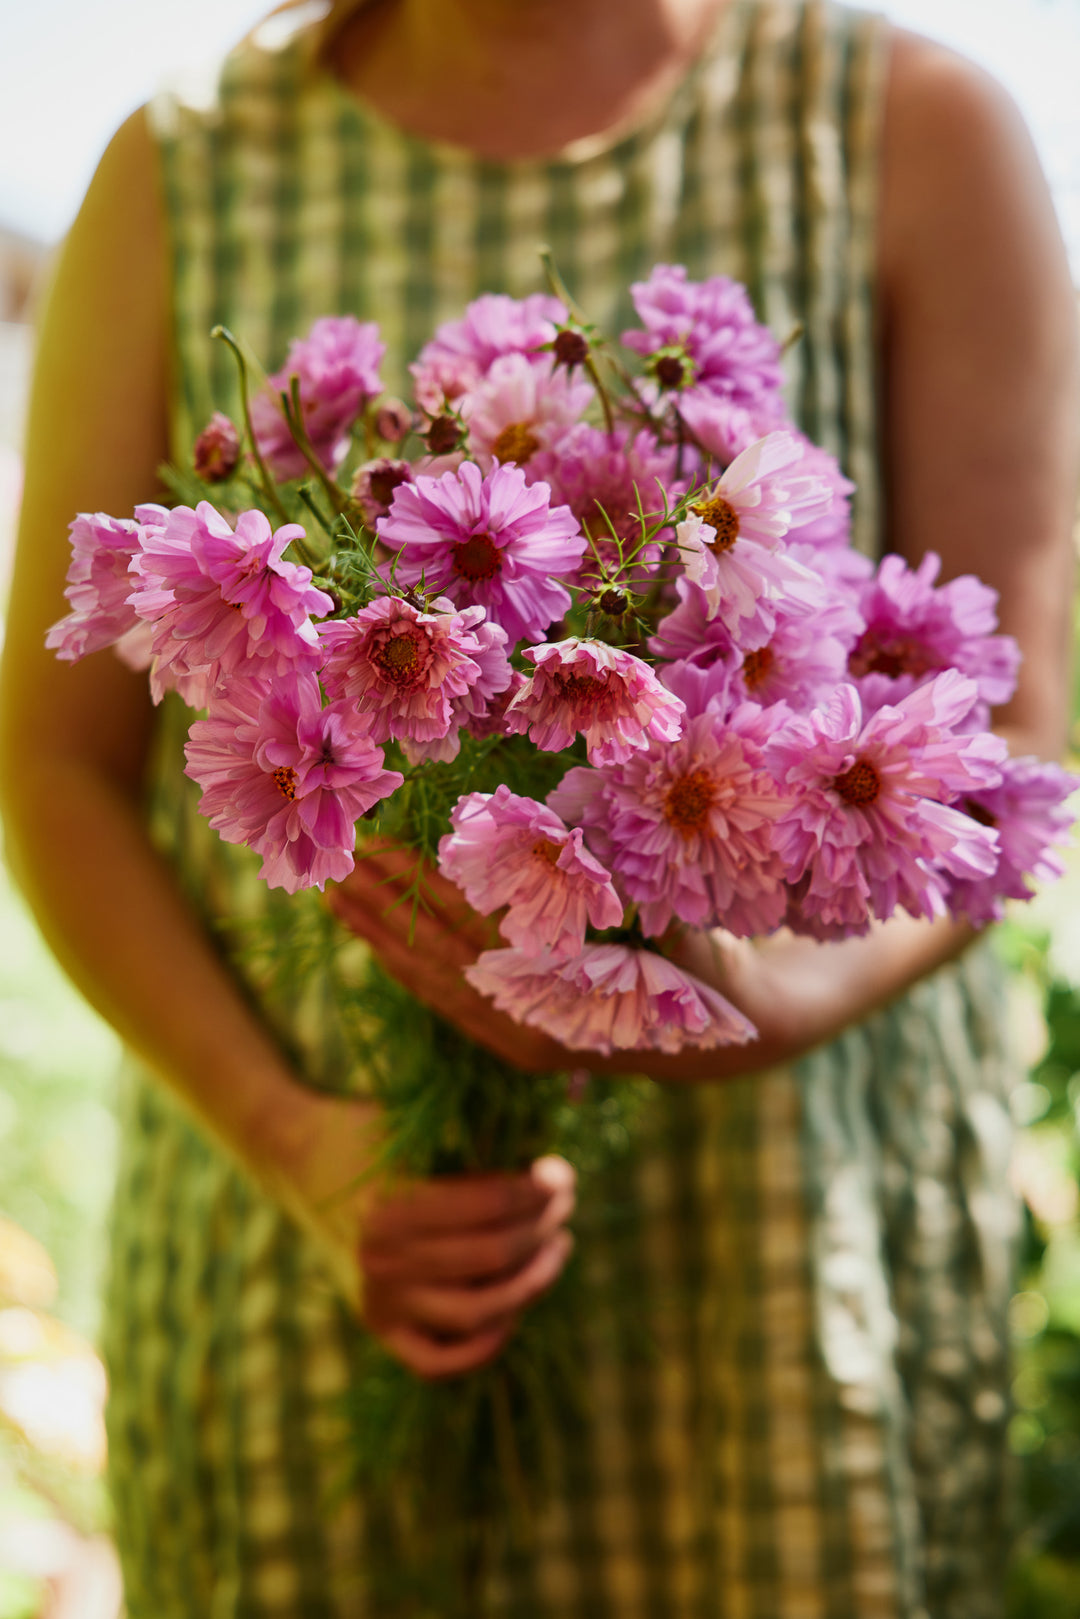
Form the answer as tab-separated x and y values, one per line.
820	1255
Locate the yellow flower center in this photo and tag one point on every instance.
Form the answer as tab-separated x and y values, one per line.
517	442
285	781
722	518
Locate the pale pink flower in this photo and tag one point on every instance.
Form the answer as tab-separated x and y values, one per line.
915	629
730	543
866	831
403	668
337	365
1032	818
98	586
611	697
287	777
222	602
508	850
520	409
491	541
610	998
462	351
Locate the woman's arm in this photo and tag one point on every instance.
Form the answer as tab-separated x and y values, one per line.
73	742
980	393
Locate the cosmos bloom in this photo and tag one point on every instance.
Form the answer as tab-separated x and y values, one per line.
611	697
463	351
217	449
337	365
866	831
403	668
224	602
915	629
1032	819
374	483
505	850
287	777
488	541
715	348
610	998
609	480
730	543
687	830
521	408
99	585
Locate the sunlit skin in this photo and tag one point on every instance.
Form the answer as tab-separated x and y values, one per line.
980	393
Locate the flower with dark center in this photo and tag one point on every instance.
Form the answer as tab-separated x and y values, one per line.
859	786
757	666
477	558
688	802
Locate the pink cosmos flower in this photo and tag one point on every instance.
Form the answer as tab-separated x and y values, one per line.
490	718
490	541
1030	814
914	630
610	998
223	602
520	408
287	777
403	668
867	832
722	350
462	351
507	850
98	586
608	480
611	697
216	450
830	530
338	368
729	543
374	483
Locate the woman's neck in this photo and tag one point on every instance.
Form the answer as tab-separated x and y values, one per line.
512	79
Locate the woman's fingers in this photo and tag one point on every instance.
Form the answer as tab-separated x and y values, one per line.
431	1359
468	1311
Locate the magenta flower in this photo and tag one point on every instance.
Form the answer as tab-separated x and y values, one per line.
223	602
506	850
463	351
403	669
521	408
337	365
914	630
716	348
610	998
729	542
287	777
98	585
488	541
608	481
866	832
611	697
688	830
1032	819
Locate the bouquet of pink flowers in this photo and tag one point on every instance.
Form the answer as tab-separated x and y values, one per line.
584	627
647	576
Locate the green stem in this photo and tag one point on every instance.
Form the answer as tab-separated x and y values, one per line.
294	418
223	334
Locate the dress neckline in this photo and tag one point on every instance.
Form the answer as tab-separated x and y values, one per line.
307	38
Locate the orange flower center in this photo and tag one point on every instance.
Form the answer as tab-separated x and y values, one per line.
517	442
477	558
398	658
722	518
689	801
579	688
900	655
547	852
860	785
757	667
285	781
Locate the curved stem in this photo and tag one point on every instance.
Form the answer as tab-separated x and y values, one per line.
269	488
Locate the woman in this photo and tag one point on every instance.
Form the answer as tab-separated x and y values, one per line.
819	1252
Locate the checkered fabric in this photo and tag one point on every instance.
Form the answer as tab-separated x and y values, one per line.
795	1357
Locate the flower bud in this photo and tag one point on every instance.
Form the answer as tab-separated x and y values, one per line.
393	420
444	435
570	348
374	484
670	371
615	603
217	449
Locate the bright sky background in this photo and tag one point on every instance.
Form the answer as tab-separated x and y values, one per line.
71	70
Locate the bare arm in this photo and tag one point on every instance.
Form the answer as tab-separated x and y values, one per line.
981	385
73	743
